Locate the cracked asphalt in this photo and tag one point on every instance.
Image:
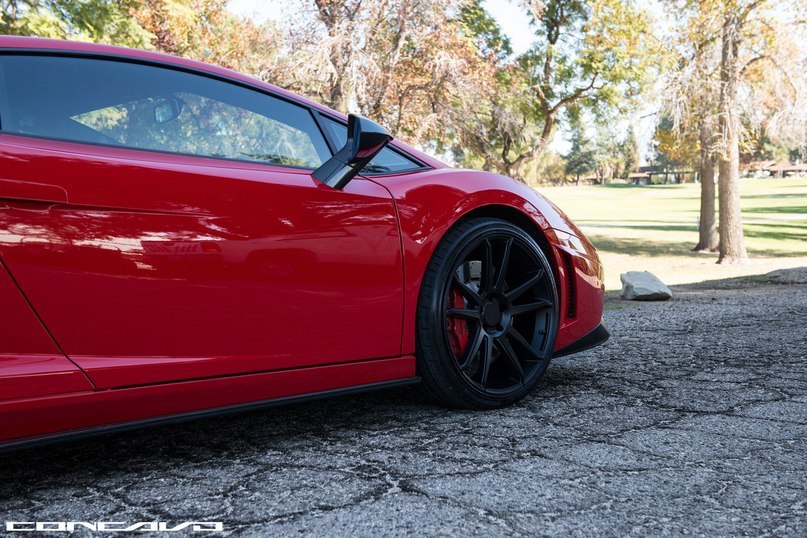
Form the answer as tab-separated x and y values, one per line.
692	419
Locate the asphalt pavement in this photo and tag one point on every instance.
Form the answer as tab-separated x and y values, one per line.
691	420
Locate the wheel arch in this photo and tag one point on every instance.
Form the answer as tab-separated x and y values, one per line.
523	221
453	245
430	204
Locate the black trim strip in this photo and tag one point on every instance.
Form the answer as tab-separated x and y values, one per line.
319	118
571	302
418	165
596	337
3	98
194	415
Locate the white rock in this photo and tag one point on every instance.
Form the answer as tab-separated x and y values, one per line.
643	286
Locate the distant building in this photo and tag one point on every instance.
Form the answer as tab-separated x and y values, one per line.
756	168
649	175
787	169
639	178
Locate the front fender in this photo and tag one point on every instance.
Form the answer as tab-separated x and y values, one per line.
430	203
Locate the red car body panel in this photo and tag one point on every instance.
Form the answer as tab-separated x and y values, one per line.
136	285
31	364
170	273
29	418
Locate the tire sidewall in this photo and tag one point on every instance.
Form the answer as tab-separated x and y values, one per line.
447	255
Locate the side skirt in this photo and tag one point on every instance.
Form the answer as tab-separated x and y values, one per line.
57	418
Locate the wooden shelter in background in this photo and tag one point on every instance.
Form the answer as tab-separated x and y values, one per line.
785	169
755	167
639	178
646	174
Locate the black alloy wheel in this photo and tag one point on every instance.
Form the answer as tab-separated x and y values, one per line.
487	316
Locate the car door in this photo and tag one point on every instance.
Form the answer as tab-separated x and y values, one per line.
164	225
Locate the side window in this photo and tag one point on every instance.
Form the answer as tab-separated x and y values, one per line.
386	162
144	107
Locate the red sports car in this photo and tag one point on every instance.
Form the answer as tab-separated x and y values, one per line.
178	239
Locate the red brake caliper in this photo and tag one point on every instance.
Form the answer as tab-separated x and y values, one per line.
457	327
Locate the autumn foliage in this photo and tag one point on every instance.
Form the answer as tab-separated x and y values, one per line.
437	73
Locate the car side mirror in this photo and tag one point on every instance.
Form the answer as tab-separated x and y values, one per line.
365	138
167	110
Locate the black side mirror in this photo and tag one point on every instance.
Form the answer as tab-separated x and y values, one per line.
167	110
365	139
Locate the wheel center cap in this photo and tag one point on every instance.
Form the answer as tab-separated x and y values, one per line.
491	314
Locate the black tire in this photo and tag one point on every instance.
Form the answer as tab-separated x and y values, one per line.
485	336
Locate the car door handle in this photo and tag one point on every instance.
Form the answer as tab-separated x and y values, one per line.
27	191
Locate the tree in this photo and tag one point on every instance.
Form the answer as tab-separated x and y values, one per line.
630	153
748	36
423	87
708	239
608	154
339	18
410	64
732	242
687	132
549	167
588	54
716	85
205	30
198	29
704	139
774	125
581	159
101	21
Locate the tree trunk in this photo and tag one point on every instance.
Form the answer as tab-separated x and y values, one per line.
732	241
332	15
509	170
337	98
517	166
708	241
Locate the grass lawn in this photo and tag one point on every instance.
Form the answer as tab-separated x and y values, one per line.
654	228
